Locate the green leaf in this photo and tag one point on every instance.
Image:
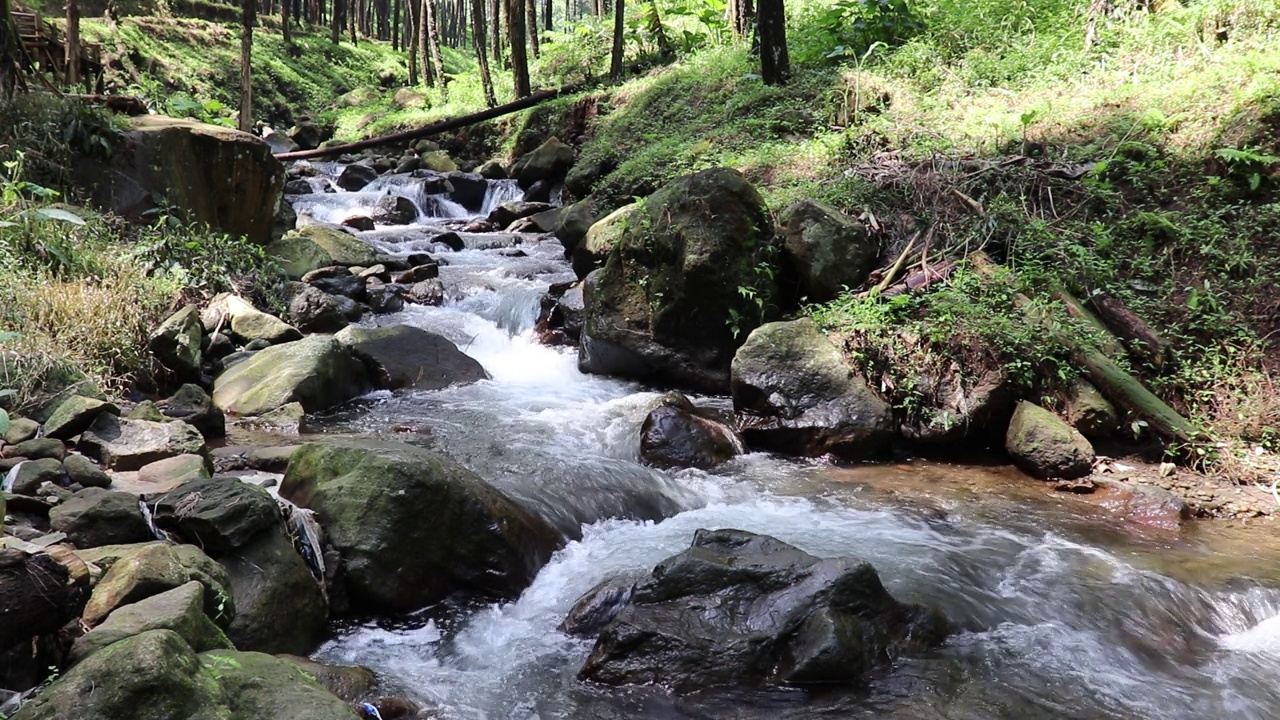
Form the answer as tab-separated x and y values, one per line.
4	422
59	214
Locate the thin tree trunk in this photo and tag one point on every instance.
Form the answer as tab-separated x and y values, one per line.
73	43
546	15
478	42
531	23
433	43
411	29
519	58
395	25
495	31
335	21
424	51
284	21
615	61
248	15
775	65
353	14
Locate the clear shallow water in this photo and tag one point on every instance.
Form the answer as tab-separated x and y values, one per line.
1063	611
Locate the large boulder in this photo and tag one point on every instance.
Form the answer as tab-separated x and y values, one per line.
136	572
1044	446
176	343
413	527
123	445
180	610
402	356
739	609
468	189
395	210
280	606
207	174
75	415
828	250
507	213
217	514
795	393
572	224
94	517
355	177
151	676
318	372
600	238
298	255
312	310
688	278
676	434
550	161
959	407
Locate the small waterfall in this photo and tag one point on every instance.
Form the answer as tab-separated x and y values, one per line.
500	193
11	477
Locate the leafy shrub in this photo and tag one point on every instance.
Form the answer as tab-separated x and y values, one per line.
851	28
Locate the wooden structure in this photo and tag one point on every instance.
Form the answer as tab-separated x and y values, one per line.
44	53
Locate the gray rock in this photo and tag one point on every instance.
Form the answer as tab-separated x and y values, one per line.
508	213
21	430
1044	446
314	311
402	356
829	250
280	607
75	415
37	449
84	471
95	517
395	210
193	406
180	610
176	343
318	372
550	161
217	514
129	444
356	177
469	189
795	393
34	473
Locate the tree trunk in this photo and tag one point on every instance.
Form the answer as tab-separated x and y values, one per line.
395	25
335	21
411	20
284	21
546	15
615	59
73	43
1135	333
519	58
424	45
771	26
495	31
248	15
353	14
531	24
478	42
433	43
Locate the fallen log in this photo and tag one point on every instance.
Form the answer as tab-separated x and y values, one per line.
436	128
1135	333
1111	380
1107	342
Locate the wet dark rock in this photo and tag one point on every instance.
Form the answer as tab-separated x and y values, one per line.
193	406
503	215
356	177
451	240
427	292
560	319
176	343
31	474
217	514
359	222
395	210
599	606
492	170
346	284
75	415
550	161
94	517
308	135
469	189
795	393
82	471
572	224
298	187
402	356
417	274
36	449
433	183
372	498
676	434
739	609
386	298
539	192
312	310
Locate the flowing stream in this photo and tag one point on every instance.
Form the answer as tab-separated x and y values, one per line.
1064	611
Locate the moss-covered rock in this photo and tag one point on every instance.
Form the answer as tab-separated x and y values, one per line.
403	356
549	161
246	321
1089	412
318	372
600	238
298	255
151	676
136	572
95	517
572	224
180	610
280	607
176	343
343	247
75	415
209	174
828	249
1044	446
256	685
413	527
794	392
690	276
218	514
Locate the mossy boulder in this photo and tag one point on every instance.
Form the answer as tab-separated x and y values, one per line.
403	356
1089	412
298	255
550	161
193	406
180	610
280	607
317	372
600	238
75	415
1044	446
343	247
208	174
413	527
234	313
151	676
258	686
572	224
689	277
135	572
795	393
437	161
218	514
31	474
828	249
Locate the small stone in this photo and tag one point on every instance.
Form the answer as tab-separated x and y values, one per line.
174	471
85	472
38	449
21	430
31	474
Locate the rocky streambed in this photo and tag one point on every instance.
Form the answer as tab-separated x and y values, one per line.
422	491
